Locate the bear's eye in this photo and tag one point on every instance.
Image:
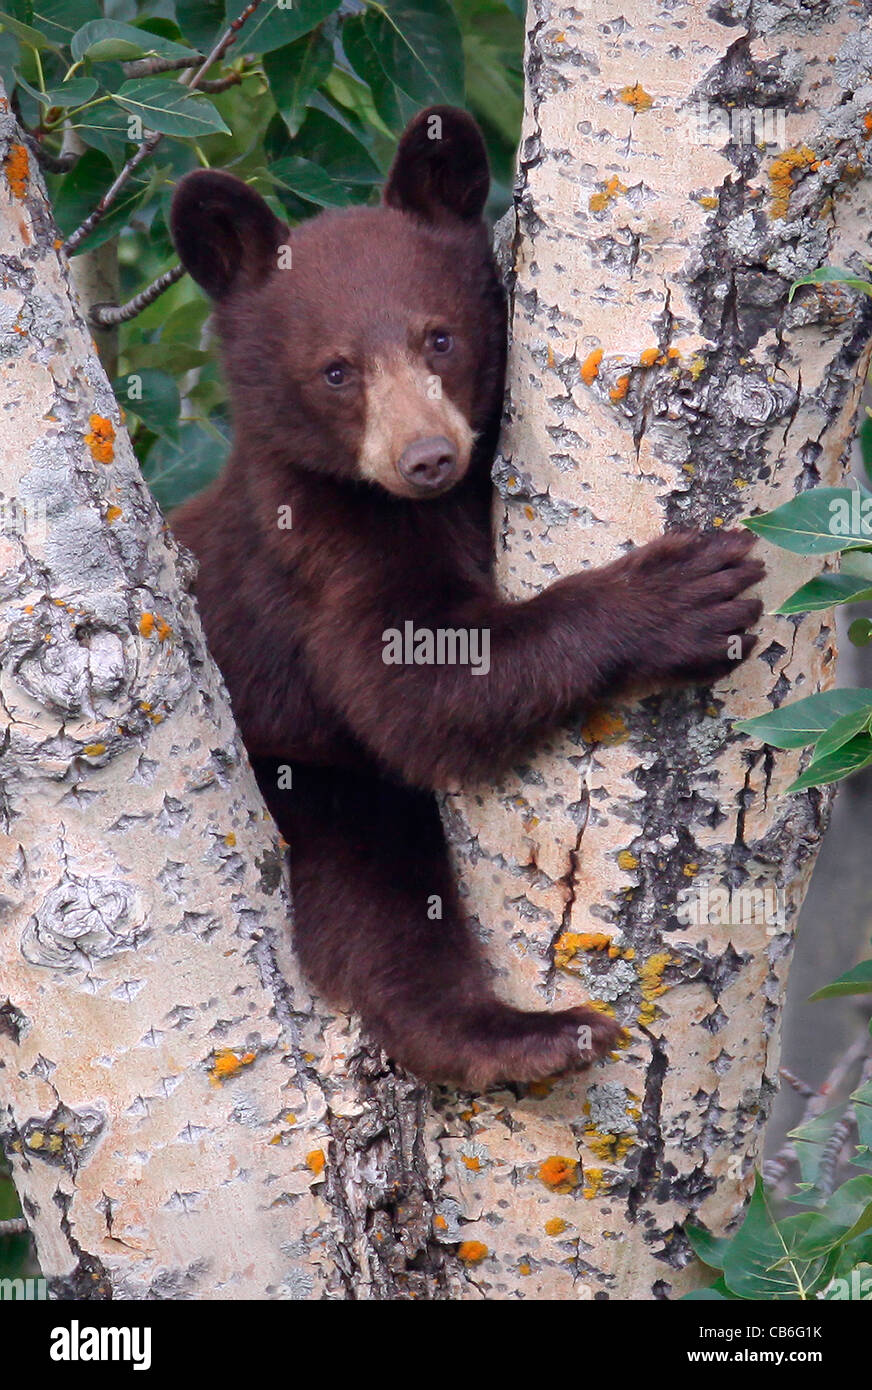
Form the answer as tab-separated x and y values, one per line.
440	340
336	373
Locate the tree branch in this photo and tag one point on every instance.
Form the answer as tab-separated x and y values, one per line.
191	80
109	315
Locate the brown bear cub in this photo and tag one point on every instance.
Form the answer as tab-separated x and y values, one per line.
365	356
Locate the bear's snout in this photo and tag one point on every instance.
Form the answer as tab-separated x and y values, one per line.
430	464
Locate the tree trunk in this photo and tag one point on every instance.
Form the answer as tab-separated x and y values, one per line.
184	1120
659	377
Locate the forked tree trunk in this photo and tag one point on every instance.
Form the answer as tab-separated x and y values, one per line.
183	1119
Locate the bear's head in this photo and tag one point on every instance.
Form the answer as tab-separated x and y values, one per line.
369	342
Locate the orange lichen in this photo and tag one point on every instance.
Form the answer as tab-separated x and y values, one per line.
440	1223
598	201
783	172
707	202
472	1252
146	628
590	366
524	1268
227	1063
555	1227
608	1147
569	943
17	165
558	1173
101	439
471	1162
316	1162
112	514
94	750
620	389
636	96
230	839
602	727
867	126
648	357
627	861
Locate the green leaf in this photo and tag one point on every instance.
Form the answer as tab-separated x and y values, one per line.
169	107
153	396
295	72
826	591
862	1098
855	981
819	521
419	48
175	470
80	190
829	274
201	21
107	39
860	632
328	138
835	766
309	182
708	1248
106	128
59	19
803	721
274	24
72	93
847	1214
761	1260
26	34
393	106
840	733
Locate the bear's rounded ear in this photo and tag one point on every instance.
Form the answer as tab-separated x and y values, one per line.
440	171
223	231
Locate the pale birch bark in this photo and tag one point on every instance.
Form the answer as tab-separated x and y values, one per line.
672	258
154	1177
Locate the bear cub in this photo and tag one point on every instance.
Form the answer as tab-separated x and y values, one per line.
334	336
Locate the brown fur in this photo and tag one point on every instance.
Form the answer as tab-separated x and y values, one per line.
295	618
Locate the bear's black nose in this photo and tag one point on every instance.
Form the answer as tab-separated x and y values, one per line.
428	464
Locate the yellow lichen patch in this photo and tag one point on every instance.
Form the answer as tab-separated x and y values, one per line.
230	839
697	366
472	1252
17	165
651	981
601	200
602	727
316	1162
708	202
101	439
636	96
227	1063
627	861
593	1181
620	389
608	1147
558	1173
555	1227
782	173
649	357
550	355
690	870
524	1268
94	750
590	366
112	514
36	1140
471	1162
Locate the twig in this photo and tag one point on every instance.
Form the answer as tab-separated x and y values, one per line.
17	1226
191	79
108	315
777	1168
145	67
220	84
54	163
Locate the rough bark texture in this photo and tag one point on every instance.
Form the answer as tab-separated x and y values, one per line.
170	1090
672	257
163	1123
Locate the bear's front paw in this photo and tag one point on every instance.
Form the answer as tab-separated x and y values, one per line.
686	588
